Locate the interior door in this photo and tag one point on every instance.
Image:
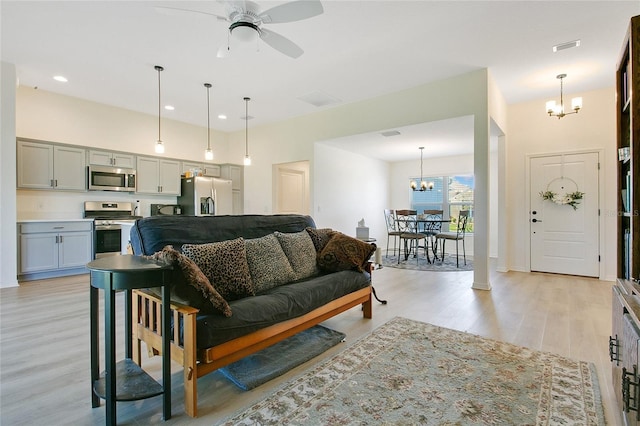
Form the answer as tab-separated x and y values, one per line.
291	188
563	239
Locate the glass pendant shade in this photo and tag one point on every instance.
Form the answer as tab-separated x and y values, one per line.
159	147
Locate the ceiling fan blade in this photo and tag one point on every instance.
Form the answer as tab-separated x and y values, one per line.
292	11
173	11
281	43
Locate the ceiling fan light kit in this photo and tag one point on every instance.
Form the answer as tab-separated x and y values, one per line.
557	110
246	22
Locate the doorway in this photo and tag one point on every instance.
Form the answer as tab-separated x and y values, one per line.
291	188
563	215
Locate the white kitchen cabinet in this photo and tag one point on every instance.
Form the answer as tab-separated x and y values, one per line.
207	169
50	166
235	173
48	249
157	176
108	158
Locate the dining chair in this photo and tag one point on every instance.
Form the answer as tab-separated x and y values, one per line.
392	231
457	236
433	227
407	221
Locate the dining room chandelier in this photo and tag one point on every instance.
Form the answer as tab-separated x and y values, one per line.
247	159
557	110
208	153
159	145
424	186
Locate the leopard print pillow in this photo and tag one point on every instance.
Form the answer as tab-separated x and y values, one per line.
300	251
343	252
320	237
189	285
225	264
268	265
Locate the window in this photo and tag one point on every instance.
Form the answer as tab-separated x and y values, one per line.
450	194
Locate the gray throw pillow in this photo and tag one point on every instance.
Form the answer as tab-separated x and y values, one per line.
300	251
225	264
268	265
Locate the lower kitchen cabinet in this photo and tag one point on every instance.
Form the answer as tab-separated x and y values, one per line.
624	345
50	249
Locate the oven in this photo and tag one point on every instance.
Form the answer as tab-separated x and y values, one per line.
108	239
107	235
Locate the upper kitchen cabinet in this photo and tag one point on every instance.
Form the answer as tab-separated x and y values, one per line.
157	176
50	166
108	158
212	170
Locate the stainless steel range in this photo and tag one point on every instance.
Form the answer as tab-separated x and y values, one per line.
108	234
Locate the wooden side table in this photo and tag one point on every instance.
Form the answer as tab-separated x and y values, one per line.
125	380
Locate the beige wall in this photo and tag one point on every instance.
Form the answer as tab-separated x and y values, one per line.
532	131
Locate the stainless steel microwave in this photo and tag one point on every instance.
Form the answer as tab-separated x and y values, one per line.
105	178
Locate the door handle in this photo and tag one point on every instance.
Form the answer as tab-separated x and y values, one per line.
536	220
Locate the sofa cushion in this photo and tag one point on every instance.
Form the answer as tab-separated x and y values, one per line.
320	237
225	264
268	265
301	253
189	285
343	252
276	305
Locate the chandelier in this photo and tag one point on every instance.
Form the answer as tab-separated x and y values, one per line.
557	110
424	186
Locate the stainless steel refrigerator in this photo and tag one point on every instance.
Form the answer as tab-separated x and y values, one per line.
206	196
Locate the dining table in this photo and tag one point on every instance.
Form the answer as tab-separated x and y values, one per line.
422	225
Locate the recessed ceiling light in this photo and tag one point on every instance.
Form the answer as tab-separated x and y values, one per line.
567	45
60	78
169	107
222	117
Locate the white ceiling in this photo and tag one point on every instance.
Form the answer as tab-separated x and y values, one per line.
355	50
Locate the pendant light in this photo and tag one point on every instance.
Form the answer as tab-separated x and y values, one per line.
159	144
424	186
557	110
208	153
247	159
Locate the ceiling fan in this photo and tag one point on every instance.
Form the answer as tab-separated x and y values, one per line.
246	21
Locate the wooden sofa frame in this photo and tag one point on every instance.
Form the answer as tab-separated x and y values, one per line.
146	324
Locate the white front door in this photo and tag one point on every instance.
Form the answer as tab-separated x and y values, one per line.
563	239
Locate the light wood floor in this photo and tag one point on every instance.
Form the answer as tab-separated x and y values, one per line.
44	341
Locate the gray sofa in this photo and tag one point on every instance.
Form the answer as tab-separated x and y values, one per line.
205	338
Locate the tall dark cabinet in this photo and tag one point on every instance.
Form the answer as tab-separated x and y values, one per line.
624	343
628	135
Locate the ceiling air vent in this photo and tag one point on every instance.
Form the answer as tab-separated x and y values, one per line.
390	133
319	99
567	45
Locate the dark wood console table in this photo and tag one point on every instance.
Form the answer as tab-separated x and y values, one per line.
125	380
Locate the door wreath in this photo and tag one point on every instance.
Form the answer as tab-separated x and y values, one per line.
569	198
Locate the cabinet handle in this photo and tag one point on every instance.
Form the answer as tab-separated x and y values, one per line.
614	348
58	227
60	239
630	390
56	182
52	183
57	239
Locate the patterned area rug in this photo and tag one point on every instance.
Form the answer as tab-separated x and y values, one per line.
449	263
408	372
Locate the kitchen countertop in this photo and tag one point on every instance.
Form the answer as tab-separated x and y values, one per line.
53	220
